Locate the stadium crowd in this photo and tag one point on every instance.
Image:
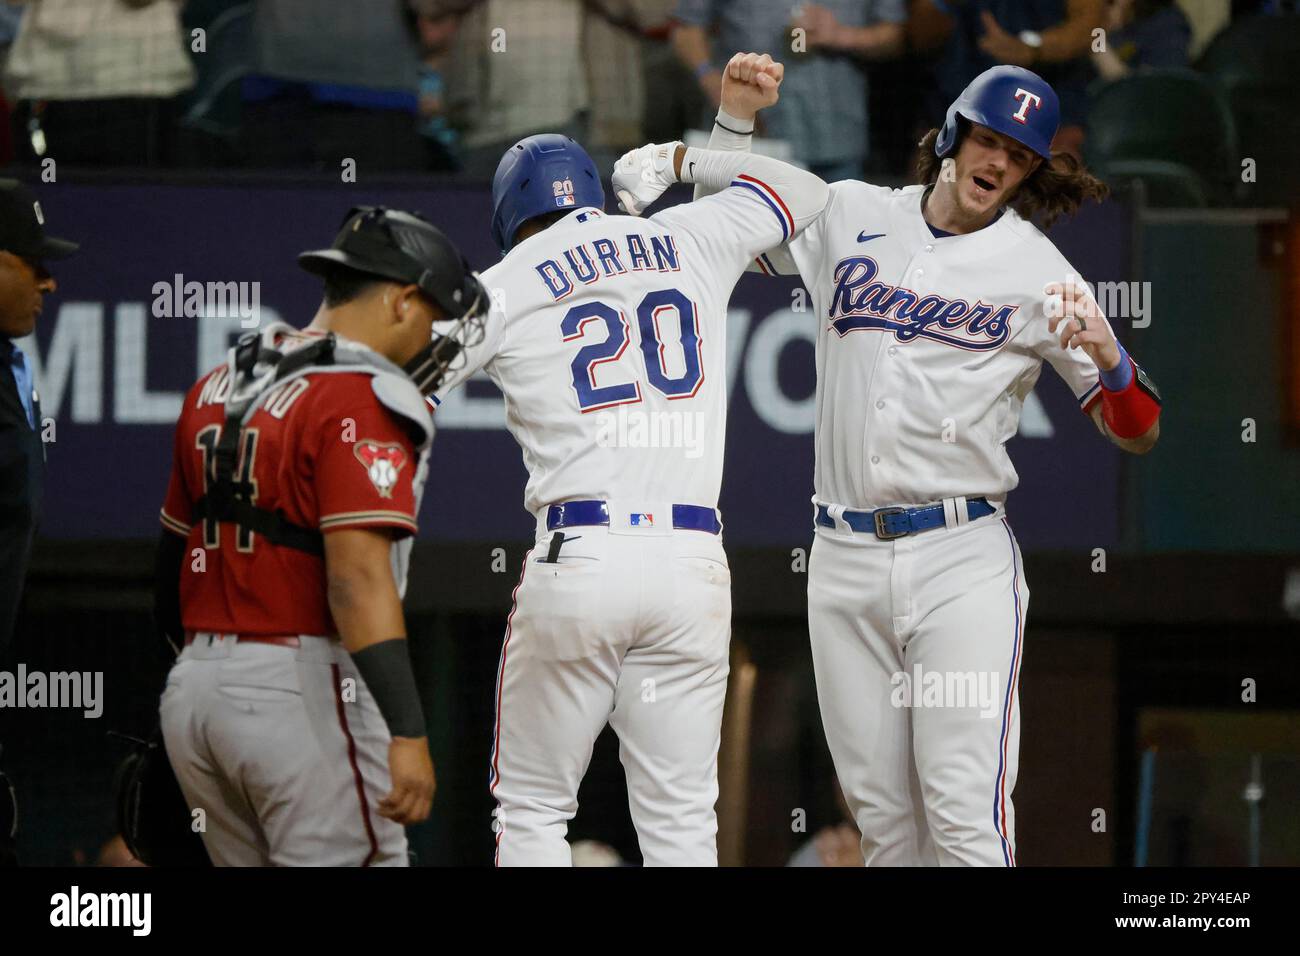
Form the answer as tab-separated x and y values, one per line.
446	85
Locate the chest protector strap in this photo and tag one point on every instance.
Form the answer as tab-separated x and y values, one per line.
228	496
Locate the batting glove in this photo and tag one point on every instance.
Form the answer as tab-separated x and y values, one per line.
641	176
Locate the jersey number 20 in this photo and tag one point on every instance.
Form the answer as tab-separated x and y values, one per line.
656	306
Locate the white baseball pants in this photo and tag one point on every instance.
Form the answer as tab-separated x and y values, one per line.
629	627
916	648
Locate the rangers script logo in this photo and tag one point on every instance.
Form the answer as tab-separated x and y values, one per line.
383	462
863	302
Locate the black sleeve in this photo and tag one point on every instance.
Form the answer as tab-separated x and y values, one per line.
167	593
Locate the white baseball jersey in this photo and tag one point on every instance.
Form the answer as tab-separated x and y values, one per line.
926	347
607	339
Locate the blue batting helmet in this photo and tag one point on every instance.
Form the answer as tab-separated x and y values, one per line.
1011	100
543	173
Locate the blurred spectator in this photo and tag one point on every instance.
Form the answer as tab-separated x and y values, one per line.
1051	37
675	101
11	15
1140	33
619	36
435	29
558	66
1208	19
517	71
822	113
332	80
97	79
208	116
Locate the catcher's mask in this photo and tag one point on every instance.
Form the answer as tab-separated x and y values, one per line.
405	247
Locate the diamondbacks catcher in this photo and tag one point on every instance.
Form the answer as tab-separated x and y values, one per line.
292	717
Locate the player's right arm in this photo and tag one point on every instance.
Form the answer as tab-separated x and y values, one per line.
363	473
176	517
761	202
367	611
750	83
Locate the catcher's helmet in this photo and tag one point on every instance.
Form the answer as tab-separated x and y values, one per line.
405	247
1011	100
537	175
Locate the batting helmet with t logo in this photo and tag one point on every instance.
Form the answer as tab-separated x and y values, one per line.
1010	100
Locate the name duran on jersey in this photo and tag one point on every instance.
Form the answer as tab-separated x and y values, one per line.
862	302
588	262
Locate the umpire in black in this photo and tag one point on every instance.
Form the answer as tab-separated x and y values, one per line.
24	281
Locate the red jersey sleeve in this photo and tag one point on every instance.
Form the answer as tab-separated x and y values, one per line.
365	463
178	505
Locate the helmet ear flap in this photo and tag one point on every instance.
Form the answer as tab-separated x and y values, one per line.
943	142
950	136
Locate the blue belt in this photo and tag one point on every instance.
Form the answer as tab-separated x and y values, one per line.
570	514
890	523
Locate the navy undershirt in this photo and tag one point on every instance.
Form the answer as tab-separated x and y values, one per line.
940	234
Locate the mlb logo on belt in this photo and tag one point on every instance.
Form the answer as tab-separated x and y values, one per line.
642	521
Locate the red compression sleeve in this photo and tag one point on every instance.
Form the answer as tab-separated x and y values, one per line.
1131	411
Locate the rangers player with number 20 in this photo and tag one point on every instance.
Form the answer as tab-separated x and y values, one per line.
937	305
603	328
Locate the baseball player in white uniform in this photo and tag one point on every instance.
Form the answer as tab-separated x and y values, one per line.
937	306
607	339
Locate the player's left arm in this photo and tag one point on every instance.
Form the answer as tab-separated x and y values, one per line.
1134	446
1127	410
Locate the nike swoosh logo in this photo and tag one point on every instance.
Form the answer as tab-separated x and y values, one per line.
863	237
692	170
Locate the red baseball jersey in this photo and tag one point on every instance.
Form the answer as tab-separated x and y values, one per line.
322	449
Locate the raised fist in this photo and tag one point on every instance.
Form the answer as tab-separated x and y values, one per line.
750	82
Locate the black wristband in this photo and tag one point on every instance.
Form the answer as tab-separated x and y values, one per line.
386	669
718	122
